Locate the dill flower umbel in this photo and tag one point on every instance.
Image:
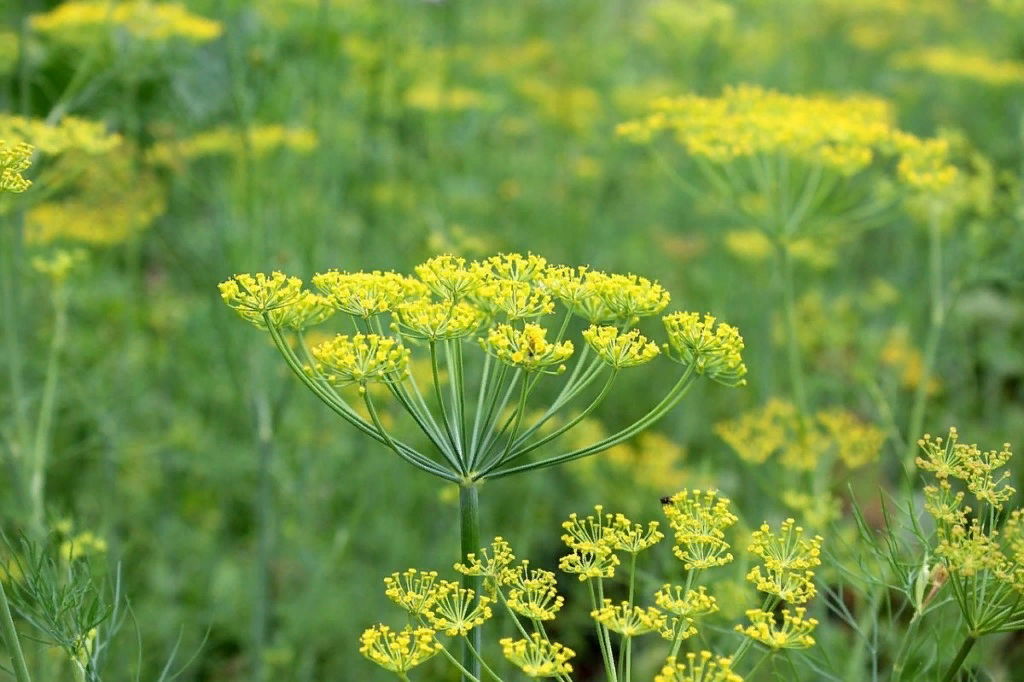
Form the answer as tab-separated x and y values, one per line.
253	295
684	608
69	134
415	591
795	632
488	564
260	140
620	349
628	619
538	657
788	559
455	611
399	652
842	134
527	348
588	565
14	160
713	351
78	23
533	593
703	670
362	359
699	520
948	61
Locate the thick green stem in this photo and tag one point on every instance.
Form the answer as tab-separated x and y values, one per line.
11	641
931	349
469	533
961	655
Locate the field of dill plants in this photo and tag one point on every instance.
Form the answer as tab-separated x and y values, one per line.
671	340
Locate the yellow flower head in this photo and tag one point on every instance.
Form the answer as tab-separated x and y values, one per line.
450	278
361	359
589	565
253	295
422	319
712	351
628	297
538	657
527	348
365	294
703	670
415	591
517	267
398	652
979	470
80	22
532	593
594	534
628	619
569	285
625	349
454	611
788	559
14	159
795	632
699	520
60	265
515	299
488	564
626	536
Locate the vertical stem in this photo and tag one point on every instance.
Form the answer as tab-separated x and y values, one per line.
10	637
796	375
469	533
264	522
954	667
935	325
41	446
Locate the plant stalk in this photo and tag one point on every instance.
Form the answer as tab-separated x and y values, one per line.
961	655
469	534
11	641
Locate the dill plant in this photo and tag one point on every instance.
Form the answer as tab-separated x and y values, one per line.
457	314
600	546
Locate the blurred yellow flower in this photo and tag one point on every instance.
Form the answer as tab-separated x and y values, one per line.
79	23
948	61
262	139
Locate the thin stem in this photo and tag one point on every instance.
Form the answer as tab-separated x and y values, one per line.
469	534
264	522
440	400
44	425
677	393
900	661
606	652
961	655
796	375
11	641
936	323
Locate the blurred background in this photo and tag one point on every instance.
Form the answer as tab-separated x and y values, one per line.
249	527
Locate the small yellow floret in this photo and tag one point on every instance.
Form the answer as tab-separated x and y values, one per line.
538	657
625	349
527	348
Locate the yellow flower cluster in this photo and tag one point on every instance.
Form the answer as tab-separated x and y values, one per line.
70	133
628	619
532	593
843	134
527	348
899	354
14	160
415	591
685	607
982	472
788	559
109	201
361	358
433	96
260	141
253	295
713	351
699	519
620	349
776	429
488	564
399	652
59	265
437	321
454	610
538	657
948	61
80	23
82	545
795	632
703	670
365	294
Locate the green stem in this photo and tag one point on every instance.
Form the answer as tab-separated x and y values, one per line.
44	426
855	661
936	323
900	662
961	655
469	533
796	375
11	641
606	652
10	256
